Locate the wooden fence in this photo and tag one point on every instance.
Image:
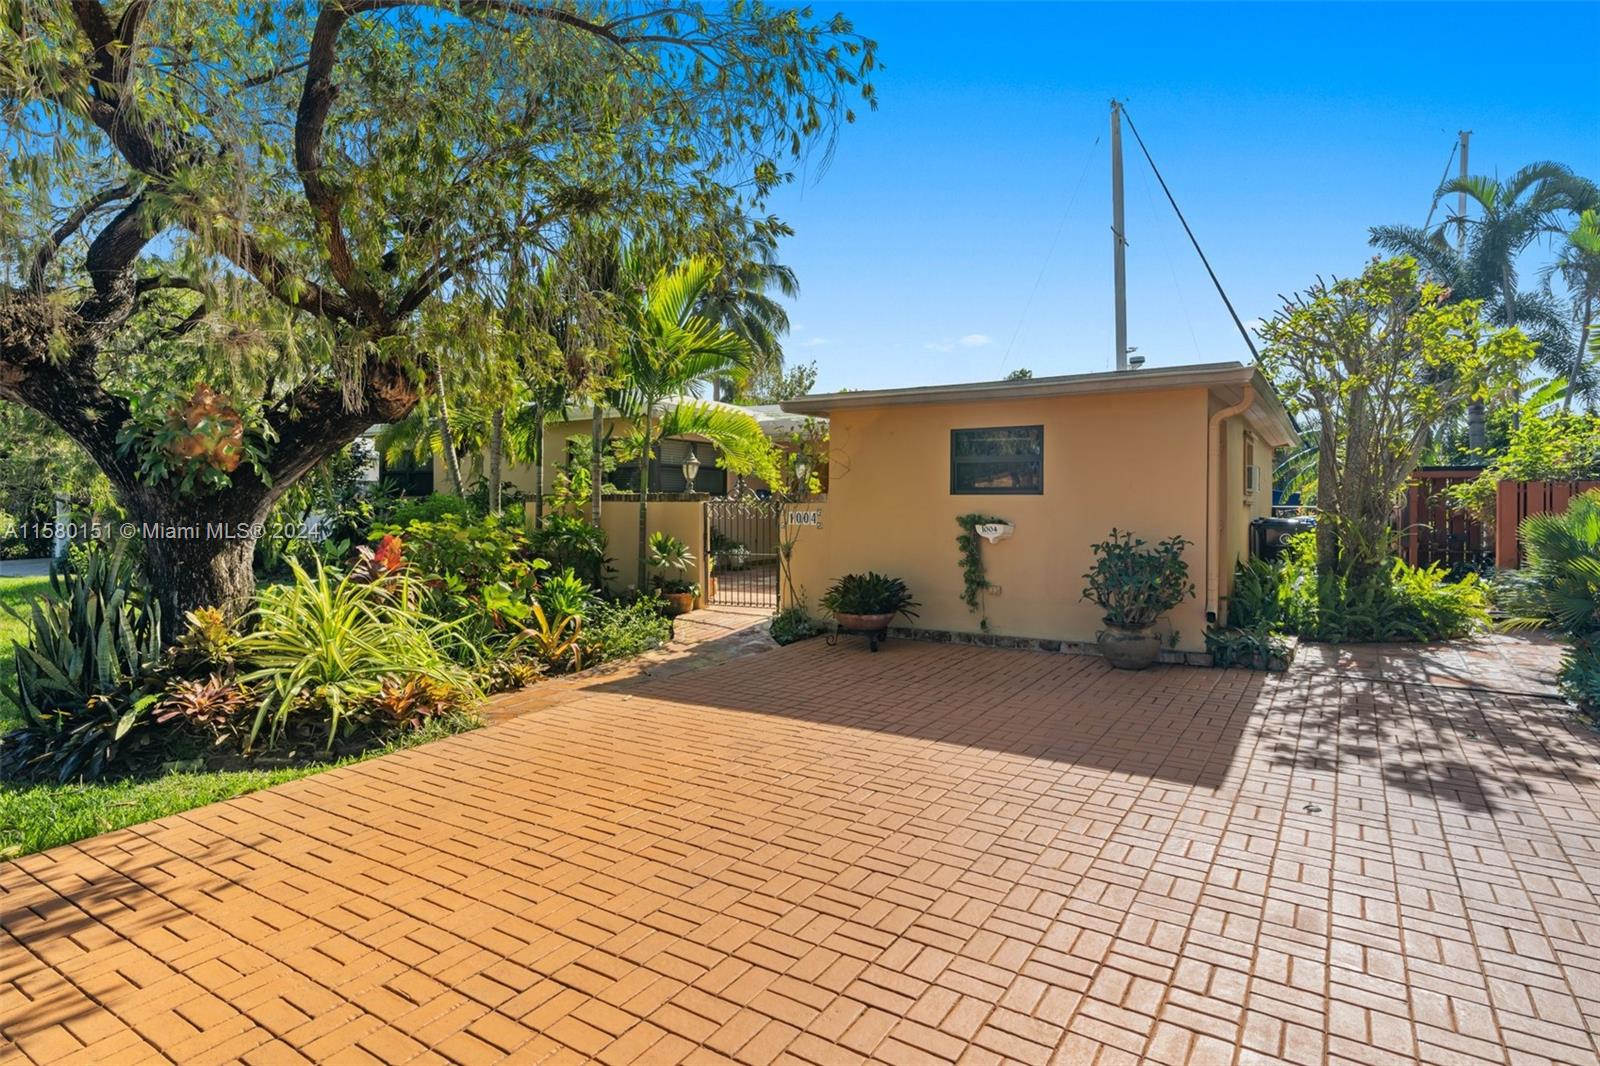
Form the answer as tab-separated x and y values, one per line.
1432	531
1516	500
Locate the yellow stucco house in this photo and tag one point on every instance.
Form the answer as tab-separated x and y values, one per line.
1160	451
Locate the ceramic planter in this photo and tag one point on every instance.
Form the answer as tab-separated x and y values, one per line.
864	622
680	602
1129	649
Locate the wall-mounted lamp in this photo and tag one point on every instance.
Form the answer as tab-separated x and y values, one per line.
802	472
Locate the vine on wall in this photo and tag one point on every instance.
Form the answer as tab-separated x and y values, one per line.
974	581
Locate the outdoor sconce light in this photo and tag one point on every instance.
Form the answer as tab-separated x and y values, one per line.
691	467
802	472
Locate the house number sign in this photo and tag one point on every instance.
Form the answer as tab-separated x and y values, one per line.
811	518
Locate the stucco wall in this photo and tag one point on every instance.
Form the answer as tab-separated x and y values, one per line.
1136	461
619	517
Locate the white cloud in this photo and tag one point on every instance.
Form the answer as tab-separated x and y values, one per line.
976	340
939	346
814	342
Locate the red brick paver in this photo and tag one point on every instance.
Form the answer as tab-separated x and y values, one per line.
932	854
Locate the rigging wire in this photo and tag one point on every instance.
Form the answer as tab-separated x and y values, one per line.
1454	148
1172	268
1249	343
1061	226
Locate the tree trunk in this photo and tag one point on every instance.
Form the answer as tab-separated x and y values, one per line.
1477	426
1327	492
447	444
197	556
497	447
644	499
538	466
1577	358
596	470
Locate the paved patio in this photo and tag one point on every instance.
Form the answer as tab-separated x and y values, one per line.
935	853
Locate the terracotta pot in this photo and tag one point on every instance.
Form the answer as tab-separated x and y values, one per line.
680	602
864	622
1129	649
711	590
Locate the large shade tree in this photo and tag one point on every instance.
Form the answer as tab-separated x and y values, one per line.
1378	363
272	197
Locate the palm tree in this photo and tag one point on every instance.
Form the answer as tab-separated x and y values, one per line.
671	351
741	301
1579	268
1512	214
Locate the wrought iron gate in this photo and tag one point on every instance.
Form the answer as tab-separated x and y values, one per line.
743	536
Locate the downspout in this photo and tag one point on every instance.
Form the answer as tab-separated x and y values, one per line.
1213	450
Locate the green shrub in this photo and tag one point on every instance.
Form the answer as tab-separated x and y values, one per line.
1563	567
88	674
1403	602
1256	648
869	593
431	509
668	553
793	624
1580	675
566	594
1257	598
569	543
1135	585
616	629
322	647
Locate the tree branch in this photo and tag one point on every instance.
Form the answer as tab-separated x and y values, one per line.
58	236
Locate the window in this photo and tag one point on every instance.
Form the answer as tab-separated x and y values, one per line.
1007	460
666	470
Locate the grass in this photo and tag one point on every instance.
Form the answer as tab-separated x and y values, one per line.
36	817
18	594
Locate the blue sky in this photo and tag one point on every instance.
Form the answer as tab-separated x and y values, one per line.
951	239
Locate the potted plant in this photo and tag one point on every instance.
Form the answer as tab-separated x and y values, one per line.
868	602
1135	585
667	552
711	579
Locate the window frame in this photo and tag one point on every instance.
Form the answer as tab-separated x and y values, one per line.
955	462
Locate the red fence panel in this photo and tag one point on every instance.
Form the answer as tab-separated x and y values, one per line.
1431	531
1516	500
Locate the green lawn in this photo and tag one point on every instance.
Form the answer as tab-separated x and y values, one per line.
16	593
36	817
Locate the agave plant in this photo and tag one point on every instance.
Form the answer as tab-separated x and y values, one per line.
96	633
87	674
325	645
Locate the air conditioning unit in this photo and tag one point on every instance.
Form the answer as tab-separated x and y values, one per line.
1252	478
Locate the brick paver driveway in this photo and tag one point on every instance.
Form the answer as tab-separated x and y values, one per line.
932	853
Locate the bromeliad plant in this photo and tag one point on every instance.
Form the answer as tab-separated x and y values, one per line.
1135	585
322	647
552	638
867	594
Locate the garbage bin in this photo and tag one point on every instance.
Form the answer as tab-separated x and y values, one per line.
1268	535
